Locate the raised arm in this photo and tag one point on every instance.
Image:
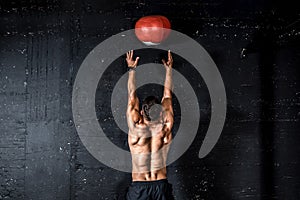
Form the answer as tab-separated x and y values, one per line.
167	96
168	80
133	102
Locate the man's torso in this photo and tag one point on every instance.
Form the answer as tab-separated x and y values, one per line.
149	146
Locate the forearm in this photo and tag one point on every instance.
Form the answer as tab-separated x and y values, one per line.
131	83
168	83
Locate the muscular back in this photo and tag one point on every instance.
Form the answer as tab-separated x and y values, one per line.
149	142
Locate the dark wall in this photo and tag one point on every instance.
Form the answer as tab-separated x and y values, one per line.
43	44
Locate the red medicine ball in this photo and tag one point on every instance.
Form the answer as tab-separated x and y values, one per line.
152	30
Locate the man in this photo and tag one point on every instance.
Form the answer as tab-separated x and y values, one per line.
149	137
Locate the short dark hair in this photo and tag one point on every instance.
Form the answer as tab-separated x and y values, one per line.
149	103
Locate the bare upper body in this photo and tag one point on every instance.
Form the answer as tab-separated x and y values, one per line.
149	139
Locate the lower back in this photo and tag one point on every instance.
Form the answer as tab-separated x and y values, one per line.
150	176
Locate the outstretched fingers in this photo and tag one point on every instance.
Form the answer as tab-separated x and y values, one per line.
129	54
136	61
170	56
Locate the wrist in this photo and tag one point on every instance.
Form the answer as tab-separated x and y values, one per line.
131	69
169	69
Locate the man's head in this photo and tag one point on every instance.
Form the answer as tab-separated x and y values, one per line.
151	108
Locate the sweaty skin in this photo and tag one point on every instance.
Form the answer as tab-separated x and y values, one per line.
149	141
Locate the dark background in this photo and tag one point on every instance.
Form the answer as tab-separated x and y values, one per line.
43	44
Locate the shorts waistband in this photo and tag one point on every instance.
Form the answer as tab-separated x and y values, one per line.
149	182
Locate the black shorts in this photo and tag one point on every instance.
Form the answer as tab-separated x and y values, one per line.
150	190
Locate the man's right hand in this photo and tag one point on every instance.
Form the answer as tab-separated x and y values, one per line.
168	64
